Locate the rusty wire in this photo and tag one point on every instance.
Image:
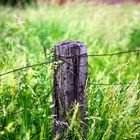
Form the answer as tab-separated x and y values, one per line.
29	66
100	55
83	55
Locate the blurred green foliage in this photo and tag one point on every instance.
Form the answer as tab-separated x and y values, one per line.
16	2
135	38
25	97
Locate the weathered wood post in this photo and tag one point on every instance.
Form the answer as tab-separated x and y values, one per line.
69	86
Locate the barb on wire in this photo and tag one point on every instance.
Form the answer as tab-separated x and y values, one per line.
117	53
107	84
106	54
29	66
83	55
115	84
72	67
103	84
45	51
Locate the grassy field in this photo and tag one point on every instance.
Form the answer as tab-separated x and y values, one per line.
25	100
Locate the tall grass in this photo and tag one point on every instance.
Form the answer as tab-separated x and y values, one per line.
113	111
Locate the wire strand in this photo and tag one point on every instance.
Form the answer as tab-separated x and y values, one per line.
82	55
30	66
115	84
99	55
117	53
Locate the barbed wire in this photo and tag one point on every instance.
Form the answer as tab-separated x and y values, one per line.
114	84
101	84
99	55
29	66
117	53
52	90
83	55
95	84
107	84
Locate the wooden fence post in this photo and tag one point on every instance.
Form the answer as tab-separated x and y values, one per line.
69	87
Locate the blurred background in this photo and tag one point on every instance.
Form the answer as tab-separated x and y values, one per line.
23	2
29	29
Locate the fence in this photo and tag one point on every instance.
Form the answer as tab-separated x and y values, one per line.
70	78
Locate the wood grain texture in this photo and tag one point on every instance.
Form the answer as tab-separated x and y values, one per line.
69	85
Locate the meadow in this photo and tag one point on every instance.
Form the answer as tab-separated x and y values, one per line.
28	36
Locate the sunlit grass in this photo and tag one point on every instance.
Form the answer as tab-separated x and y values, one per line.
113	111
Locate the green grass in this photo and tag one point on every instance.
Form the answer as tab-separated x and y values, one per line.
113	111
